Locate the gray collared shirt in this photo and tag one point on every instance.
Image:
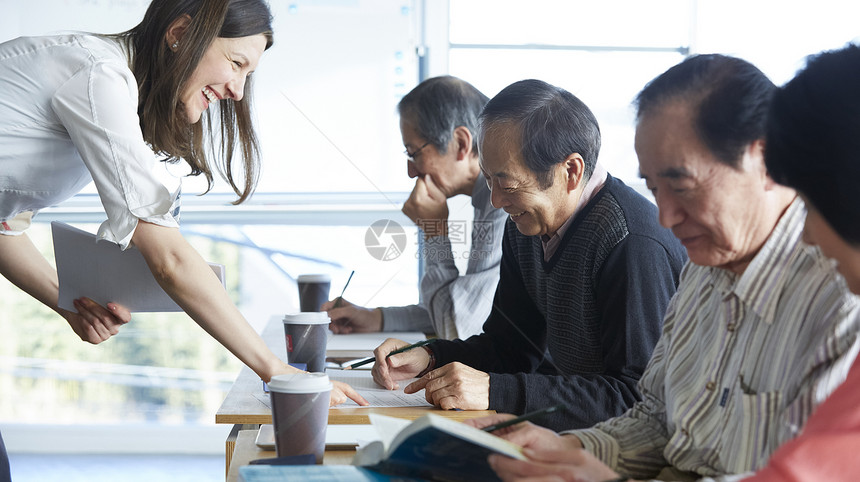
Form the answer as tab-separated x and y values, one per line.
457	305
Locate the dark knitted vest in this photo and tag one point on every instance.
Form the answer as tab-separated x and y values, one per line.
571	315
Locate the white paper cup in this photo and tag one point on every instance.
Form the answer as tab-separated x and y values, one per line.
313	291
306	336
300	404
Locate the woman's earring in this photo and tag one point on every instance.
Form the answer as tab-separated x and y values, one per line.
175	45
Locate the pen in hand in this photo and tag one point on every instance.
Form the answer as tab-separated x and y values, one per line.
340	298
394	352
522	418
409	347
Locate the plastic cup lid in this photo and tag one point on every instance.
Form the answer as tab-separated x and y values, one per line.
300	383
308	318
314	278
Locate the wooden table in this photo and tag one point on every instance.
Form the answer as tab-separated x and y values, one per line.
246	406
241	406
246	450
243	403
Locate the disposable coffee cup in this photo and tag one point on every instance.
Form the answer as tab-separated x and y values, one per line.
300	404
306	336
313	291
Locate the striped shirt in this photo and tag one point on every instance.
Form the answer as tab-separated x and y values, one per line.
457	305
742	362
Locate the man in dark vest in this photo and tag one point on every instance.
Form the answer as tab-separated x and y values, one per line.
586	275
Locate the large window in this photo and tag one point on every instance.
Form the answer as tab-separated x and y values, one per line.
327	95
605	52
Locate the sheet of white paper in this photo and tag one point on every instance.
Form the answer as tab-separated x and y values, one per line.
103	272
362	382
358	345
377	396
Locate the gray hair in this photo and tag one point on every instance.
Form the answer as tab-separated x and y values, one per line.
439	105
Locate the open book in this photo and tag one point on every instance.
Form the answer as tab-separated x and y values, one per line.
434	448
429	448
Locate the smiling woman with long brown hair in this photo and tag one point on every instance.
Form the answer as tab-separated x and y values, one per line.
110	109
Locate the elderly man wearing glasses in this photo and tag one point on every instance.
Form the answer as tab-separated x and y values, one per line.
438	122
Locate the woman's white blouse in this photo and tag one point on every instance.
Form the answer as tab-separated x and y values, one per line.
68	115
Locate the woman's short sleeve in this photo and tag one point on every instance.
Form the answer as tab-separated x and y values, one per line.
98	107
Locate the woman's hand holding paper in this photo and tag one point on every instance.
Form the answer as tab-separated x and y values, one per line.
95	323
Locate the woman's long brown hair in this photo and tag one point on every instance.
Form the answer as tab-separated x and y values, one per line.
161	74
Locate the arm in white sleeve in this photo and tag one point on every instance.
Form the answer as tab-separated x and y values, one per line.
406	318
458	305
98	108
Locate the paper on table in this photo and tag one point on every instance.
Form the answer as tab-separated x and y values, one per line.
377	396
101	271
359	345
362	382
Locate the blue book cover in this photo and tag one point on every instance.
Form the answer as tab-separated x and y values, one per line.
430	448
437	448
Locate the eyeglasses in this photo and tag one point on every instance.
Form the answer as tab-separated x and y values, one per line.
411	156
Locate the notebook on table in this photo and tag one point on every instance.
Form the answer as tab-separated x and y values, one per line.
337	437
